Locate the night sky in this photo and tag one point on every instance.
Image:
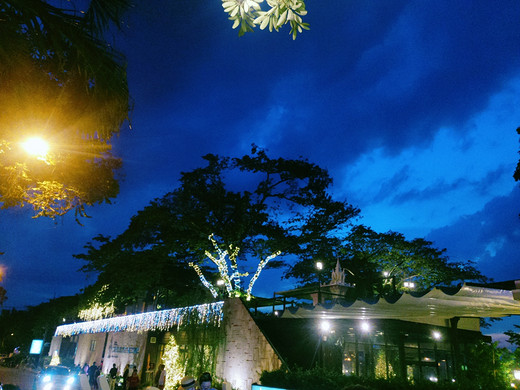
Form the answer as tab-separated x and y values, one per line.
412	106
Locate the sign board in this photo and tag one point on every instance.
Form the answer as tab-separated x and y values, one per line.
36	347
259	387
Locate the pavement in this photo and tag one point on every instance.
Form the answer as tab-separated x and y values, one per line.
21	377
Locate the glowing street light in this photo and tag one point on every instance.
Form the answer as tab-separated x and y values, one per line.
436	335
325	326
319	265
36	146
410	285
365	326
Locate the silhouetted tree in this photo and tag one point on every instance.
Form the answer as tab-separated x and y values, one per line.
258	204
381	263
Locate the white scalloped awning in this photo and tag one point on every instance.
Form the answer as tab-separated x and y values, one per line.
469	301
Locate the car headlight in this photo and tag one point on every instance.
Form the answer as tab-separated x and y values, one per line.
46	378
70	380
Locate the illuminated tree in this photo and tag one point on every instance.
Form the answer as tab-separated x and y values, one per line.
97	309
231	279
61	81
174	366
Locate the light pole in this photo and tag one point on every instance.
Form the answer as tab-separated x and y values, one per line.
319	267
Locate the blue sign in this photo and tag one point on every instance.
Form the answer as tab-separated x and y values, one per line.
36	347
259	387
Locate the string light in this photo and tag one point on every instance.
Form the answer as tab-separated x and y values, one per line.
55	361
222	266
210	313
204	281
172	364
259	269
97	311
231	282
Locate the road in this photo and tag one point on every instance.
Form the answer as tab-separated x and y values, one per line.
21	377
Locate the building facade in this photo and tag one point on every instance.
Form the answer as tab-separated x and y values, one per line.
414	336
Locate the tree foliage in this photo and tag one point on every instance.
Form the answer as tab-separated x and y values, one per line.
516	174
255	203
61	81
380	263
514	336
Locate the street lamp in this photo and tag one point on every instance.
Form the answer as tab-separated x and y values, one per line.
325	326
436	335
319	267
365	326
36	147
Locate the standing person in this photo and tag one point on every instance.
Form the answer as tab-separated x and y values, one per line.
205	381
126	372
133	381
149	375
93	373
160	377
113	376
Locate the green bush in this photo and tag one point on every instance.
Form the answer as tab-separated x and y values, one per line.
320	379
10	387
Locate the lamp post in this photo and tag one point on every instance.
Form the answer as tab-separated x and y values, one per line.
325	329
319	267
436	336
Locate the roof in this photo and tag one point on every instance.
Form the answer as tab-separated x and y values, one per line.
468	301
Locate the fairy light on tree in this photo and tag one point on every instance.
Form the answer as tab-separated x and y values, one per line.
204	281
172	364
97	310
259	269
231	282
55	361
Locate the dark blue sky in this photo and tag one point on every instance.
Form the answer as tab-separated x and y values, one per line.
412	106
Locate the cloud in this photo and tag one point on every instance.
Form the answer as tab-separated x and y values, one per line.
490	237
432	185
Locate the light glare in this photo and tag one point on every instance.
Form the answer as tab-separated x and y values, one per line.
36	147
325	326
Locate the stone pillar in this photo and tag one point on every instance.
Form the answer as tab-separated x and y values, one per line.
245	352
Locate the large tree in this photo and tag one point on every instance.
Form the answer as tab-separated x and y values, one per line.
381	264
260	205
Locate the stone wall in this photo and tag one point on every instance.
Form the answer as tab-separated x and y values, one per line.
245	352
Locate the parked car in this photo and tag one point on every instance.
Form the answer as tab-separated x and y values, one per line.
56	378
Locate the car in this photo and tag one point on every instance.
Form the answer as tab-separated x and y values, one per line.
56	378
